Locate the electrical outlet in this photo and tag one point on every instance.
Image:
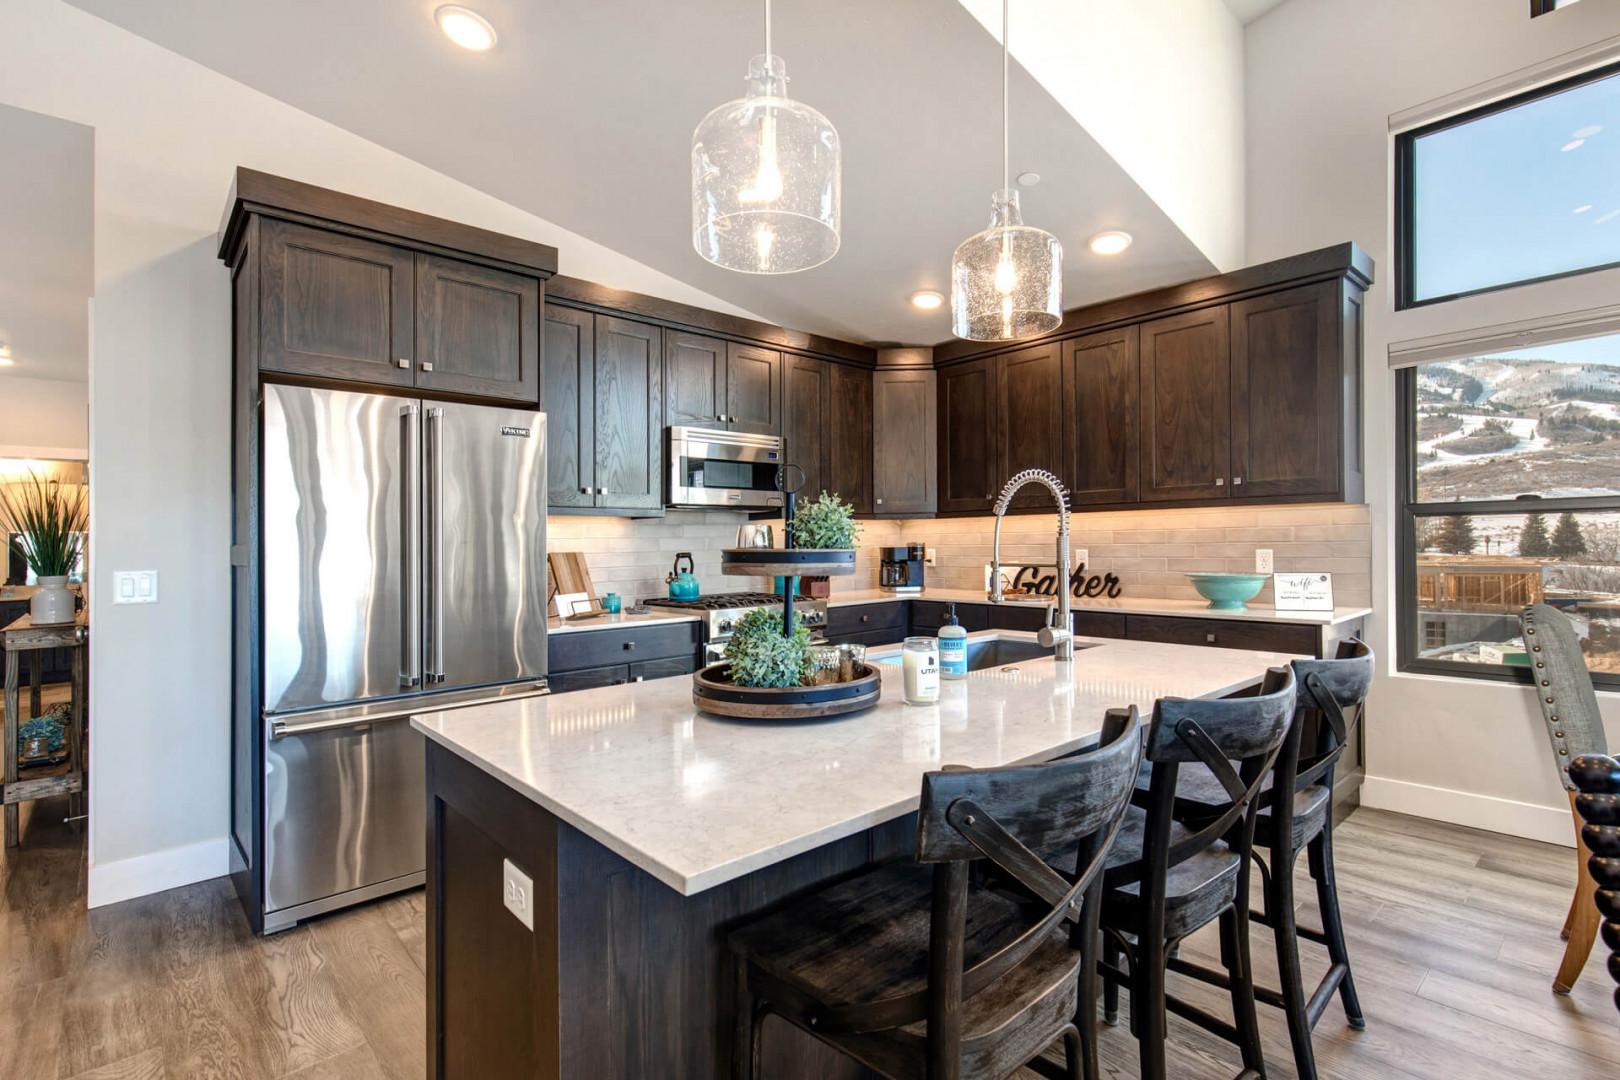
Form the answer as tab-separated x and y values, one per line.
517	892
1263	562
1079	557
928	556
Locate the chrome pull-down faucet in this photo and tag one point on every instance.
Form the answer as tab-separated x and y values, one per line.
1058	637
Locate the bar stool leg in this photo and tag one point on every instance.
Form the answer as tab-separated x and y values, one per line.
8	751
1073	1054
1240	971
1114	954
1148	1015
1285	928
1581	928
1327	898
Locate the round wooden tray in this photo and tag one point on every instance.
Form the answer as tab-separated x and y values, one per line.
789	562
714	692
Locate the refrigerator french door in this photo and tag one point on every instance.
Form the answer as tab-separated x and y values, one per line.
404	570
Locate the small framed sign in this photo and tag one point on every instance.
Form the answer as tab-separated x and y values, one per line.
1303	592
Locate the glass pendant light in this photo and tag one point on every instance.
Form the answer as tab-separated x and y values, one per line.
1007	281
766	178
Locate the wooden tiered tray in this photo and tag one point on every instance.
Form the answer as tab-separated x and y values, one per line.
714	692
788	562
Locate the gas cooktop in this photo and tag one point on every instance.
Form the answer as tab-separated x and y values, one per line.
718	601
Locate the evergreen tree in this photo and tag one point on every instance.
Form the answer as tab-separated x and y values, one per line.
1457	535
1566	538
1533	539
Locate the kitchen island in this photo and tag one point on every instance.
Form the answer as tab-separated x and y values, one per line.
647	829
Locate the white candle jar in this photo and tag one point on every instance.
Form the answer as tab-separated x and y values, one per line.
920	659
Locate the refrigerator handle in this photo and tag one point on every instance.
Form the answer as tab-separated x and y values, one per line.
435	419
410	528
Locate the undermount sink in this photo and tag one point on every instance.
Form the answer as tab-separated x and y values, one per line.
994	652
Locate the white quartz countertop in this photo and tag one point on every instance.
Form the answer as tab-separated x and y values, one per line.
1127	606
697	800
612	622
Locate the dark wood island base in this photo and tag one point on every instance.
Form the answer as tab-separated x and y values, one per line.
622	976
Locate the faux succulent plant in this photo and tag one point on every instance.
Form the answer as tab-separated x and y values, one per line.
760	655
825	522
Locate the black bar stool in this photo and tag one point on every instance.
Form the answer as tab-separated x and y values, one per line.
917	970
1167	879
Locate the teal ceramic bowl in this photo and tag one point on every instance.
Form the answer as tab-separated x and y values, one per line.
1229	592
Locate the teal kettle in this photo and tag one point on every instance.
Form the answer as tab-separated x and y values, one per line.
683	584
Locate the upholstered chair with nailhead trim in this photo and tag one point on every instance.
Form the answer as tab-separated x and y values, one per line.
1575	727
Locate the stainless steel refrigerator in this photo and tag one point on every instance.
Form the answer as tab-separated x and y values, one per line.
404	569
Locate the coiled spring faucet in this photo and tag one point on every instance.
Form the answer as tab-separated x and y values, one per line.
1056	635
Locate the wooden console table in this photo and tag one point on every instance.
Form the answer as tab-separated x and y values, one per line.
65	777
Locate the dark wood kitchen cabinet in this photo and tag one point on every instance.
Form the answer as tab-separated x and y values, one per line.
570	336
342	308
1285	392
905	477
1186	406
1031	423
753	389
694	379
806	420
1100	401
968	412
849	442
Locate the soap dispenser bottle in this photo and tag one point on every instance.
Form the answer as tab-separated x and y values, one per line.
952	647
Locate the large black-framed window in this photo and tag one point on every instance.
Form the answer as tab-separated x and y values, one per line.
1538	173
1509	494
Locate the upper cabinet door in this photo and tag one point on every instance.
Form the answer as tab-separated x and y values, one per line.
806	411
1285	393
1031	394
1186	407
570	409
477	330
753	389
1101	386
849	448
968	437
694	379
904	442
628	414
335	306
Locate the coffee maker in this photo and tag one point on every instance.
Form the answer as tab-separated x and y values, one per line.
901	568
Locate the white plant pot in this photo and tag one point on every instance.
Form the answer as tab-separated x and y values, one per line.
53	603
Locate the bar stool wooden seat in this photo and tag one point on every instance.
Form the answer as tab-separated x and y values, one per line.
1167	878
1329	705
917	970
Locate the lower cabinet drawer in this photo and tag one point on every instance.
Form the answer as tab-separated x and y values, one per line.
663	669
1224	633
564	682
927	616
842	622
1109	624
632	644
1007	617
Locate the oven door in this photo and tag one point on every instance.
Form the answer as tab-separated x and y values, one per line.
733	469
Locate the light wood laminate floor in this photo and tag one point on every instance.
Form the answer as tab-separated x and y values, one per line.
1454	936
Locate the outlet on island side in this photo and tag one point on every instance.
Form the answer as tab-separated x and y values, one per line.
1263	562
517	892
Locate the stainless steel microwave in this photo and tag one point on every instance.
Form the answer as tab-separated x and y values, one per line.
709	468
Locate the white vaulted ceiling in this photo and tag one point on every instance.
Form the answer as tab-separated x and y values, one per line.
583	114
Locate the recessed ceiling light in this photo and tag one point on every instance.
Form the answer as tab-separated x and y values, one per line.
1573	144
1582	208
927	299
465	27
5	357
1110	242
1586	132
1028	179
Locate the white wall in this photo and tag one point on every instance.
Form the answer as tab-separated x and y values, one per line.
1323	79
44	418
1159	85
169	132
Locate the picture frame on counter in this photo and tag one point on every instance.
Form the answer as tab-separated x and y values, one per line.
1312	591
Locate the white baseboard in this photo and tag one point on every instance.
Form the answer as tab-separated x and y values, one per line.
125	879
1550	824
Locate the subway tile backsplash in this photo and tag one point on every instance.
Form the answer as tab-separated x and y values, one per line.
1149	550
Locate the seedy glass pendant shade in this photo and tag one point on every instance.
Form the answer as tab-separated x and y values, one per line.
766	180
1007	281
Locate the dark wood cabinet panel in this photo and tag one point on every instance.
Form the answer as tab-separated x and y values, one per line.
334	306
806	416
637	644
753	389
1225	633
927	616
477	330
968	437
887	617
663	669
1030	392
1103	624
1285	393
1186	407
566	396
566	682
904	442
694	379
849	440
628	407
1102	417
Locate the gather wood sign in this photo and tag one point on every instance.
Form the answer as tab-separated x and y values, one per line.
1042	581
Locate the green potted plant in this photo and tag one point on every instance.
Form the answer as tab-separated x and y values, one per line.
825	523
761	656
50	519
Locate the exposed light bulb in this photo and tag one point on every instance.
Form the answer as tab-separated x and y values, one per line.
763	239
767	185
1006	275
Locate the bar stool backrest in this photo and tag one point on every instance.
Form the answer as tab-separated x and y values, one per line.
1564	691
1333	694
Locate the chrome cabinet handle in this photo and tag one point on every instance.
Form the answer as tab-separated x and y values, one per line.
1210	638
584	491
427	365
1237	480
410	526
1220	481
880	502
435	418
404	362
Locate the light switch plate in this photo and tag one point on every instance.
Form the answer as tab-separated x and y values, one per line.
517	893
135	586
1080	557
1263	562
928	556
